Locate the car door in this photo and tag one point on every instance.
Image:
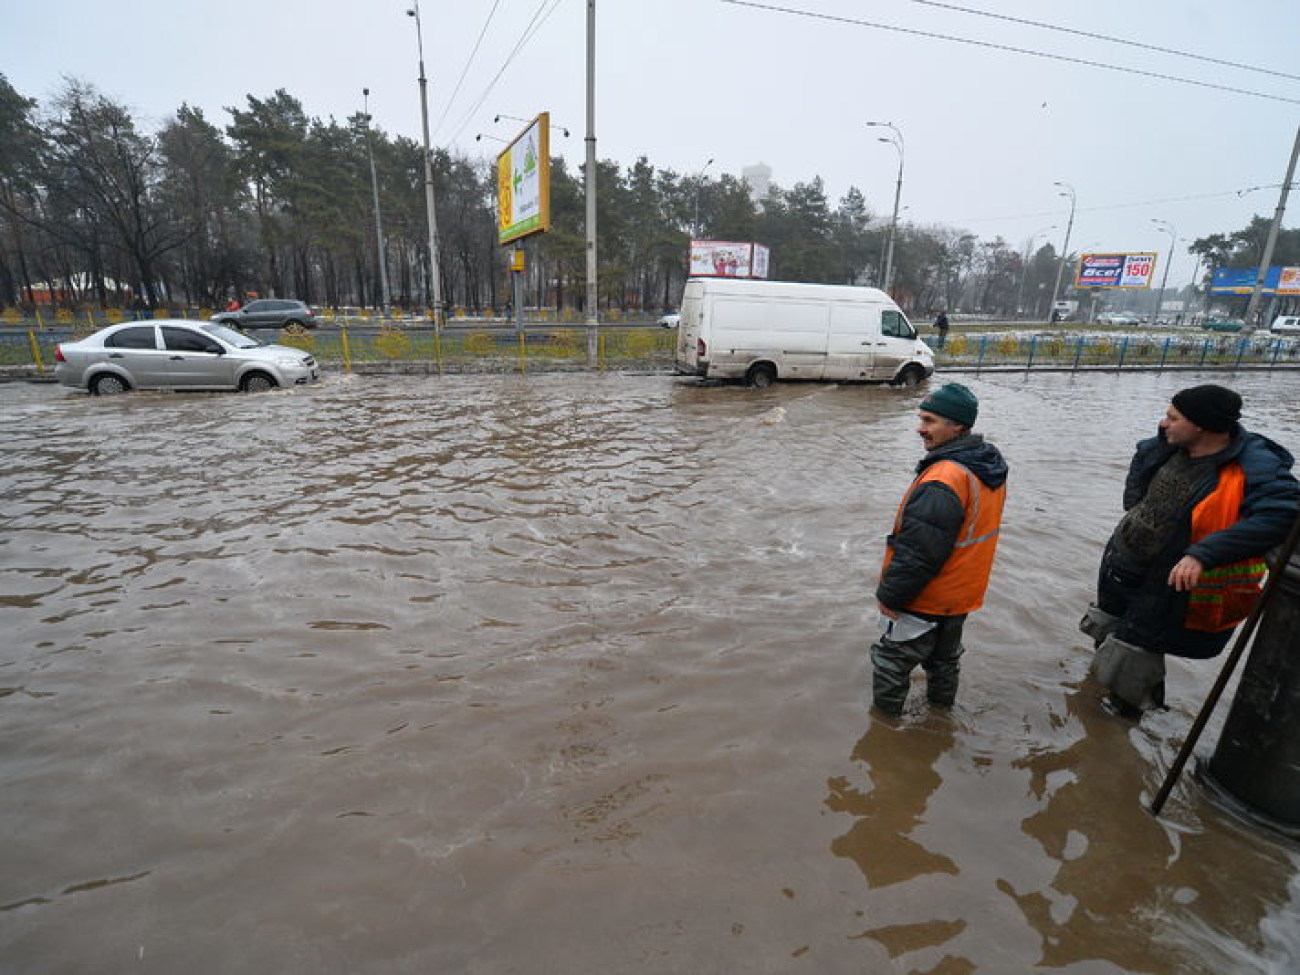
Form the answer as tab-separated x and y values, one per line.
264	313
196	361
895	346
850	349
135	351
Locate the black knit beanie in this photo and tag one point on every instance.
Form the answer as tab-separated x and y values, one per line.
1210	407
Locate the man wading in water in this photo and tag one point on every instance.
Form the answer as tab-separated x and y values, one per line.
1204	501
938	558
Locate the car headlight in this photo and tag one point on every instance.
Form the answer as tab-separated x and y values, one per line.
288	361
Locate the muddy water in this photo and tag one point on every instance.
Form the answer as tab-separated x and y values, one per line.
567	674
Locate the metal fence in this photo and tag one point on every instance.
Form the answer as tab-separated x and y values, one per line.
1149	352
421	348
416	349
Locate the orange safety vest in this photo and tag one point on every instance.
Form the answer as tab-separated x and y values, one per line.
1224	596
960	585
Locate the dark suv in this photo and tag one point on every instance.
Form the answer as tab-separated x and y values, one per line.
269	313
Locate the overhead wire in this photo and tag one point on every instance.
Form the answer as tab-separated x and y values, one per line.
1127	206
465	70
1087	62
540	16
1092	35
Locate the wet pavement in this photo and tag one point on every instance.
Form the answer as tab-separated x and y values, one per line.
567	673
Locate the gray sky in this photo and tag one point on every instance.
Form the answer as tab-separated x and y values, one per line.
987	130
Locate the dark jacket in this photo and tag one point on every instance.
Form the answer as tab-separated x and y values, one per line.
1270	506
932	519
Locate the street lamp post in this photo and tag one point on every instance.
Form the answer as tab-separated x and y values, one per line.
379	222
435	281
896	140
1065	247
1173	238
589	188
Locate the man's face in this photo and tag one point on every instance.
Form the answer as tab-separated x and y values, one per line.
936	430
1179	431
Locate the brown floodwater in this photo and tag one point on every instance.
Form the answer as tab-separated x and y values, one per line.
568	674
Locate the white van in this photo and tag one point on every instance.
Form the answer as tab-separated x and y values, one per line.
761	331
1286	325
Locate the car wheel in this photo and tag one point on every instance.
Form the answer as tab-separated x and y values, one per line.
108	385
911	376
760	376
295	323
257	382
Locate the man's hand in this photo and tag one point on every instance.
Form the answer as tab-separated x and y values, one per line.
1186	574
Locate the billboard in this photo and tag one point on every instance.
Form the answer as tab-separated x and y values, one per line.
1115	270
524	182
728	259
1241	281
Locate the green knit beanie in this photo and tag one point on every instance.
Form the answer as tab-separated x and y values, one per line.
954	401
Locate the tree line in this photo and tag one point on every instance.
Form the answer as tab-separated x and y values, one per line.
96	210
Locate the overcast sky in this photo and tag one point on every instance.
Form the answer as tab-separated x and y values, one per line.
790	83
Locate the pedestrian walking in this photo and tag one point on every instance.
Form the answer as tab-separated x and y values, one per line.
1204	501
940	553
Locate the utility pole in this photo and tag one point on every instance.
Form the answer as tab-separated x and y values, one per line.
589	185
1065	247
435	281
379	223
1252	309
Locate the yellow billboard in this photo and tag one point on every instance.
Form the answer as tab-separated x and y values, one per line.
524	182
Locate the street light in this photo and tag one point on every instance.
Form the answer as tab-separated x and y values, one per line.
896	140
1173	237
1065	247
435	282
528	121
699	181
379	223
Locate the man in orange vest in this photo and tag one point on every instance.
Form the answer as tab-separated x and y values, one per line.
940	553
1204	501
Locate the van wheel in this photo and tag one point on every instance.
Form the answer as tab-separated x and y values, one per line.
911	376
760	376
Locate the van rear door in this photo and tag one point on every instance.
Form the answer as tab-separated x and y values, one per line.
690	328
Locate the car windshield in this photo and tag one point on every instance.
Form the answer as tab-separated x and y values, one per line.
228	335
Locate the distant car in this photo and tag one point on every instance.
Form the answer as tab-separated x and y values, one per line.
269	313
669	321
1119	318
1224	324
1286	325
178	354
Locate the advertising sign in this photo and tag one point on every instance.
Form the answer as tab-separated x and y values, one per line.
1115	270
728	259
524	182
1241	281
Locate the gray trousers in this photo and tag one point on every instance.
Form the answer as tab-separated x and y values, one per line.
938	653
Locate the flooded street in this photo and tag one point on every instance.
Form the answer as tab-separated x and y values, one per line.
568	674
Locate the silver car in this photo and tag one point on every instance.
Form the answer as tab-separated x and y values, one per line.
179	354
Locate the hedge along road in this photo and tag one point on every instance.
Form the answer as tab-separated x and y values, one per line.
565	672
